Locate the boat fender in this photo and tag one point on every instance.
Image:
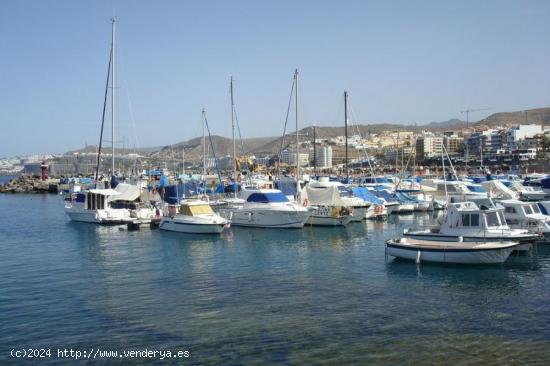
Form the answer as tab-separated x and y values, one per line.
418	257
460	239
305	203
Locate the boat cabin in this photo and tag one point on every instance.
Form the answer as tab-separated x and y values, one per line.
195	208
468	215
95	199
521	213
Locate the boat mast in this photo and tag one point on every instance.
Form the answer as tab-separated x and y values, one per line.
346	130
314	152
297	136
113	20
233	134
203	146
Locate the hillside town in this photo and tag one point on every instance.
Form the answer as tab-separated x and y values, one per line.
516	148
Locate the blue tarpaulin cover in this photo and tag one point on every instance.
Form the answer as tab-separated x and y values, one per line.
366	195
287	186
267	197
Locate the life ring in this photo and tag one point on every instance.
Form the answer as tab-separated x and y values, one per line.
378	209
306	202
204	198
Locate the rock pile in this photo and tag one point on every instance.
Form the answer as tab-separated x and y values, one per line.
26	184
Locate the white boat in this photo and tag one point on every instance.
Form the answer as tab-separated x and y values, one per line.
376	210
325	204
450	252
527	192
468	221
94	206
391	204
266	208
194	217
356	205
451	191
526	215
498	190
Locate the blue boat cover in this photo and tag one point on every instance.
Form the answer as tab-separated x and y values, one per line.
163	181
545	182
287	186
385	195
267	197
114	182
366	195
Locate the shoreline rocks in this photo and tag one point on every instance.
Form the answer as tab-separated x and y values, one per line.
29	184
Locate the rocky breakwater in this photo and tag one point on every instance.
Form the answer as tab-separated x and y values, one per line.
29	184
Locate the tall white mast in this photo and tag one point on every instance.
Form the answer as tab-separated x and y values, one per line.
297	136
233	134
203	147
113	20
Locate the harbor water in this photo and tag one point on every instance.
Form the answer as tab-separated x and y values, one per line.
257	296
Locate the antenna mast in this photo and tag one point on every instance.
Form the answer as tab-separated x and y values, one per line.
113	30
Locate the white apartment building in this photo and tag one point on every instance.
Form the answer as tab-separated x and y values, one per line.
521	132
323	157
429	145
289	157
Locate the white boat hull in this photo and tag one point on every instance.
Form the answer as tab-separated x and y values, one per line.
427	235
102	217
533	196
465	256
318	220
181	226
406	207
391	209
376	212
359	214
269	218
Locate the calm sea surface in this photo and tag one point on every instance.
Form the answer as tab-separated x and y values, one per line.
253	296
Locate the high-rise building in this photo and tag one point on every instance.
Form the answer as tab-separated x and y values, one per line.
428	145
323	157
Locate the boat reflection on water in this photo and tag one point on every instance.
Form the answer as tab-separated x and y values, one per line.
478	276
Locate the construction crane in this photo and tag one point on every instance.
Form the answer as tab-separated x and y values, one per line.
468	111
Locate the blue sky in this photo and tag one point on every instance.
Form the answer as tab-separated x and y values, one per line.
401	61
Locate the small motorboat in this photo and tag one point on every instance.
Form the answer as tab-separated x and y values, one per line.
325	205
194	217
474	223
489	252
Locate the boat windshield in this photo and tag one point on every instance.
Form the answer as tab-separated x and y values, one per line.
528	210
492	219
477	189
267	197
535	208
343	191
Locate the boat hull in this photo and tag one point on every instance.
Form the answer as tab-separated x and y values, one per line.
526	242
359	214
318	220
171	224
100	217
457	256
284	219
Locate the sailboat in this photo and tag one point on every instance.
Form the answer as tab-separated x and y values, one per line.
122	202
96	205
